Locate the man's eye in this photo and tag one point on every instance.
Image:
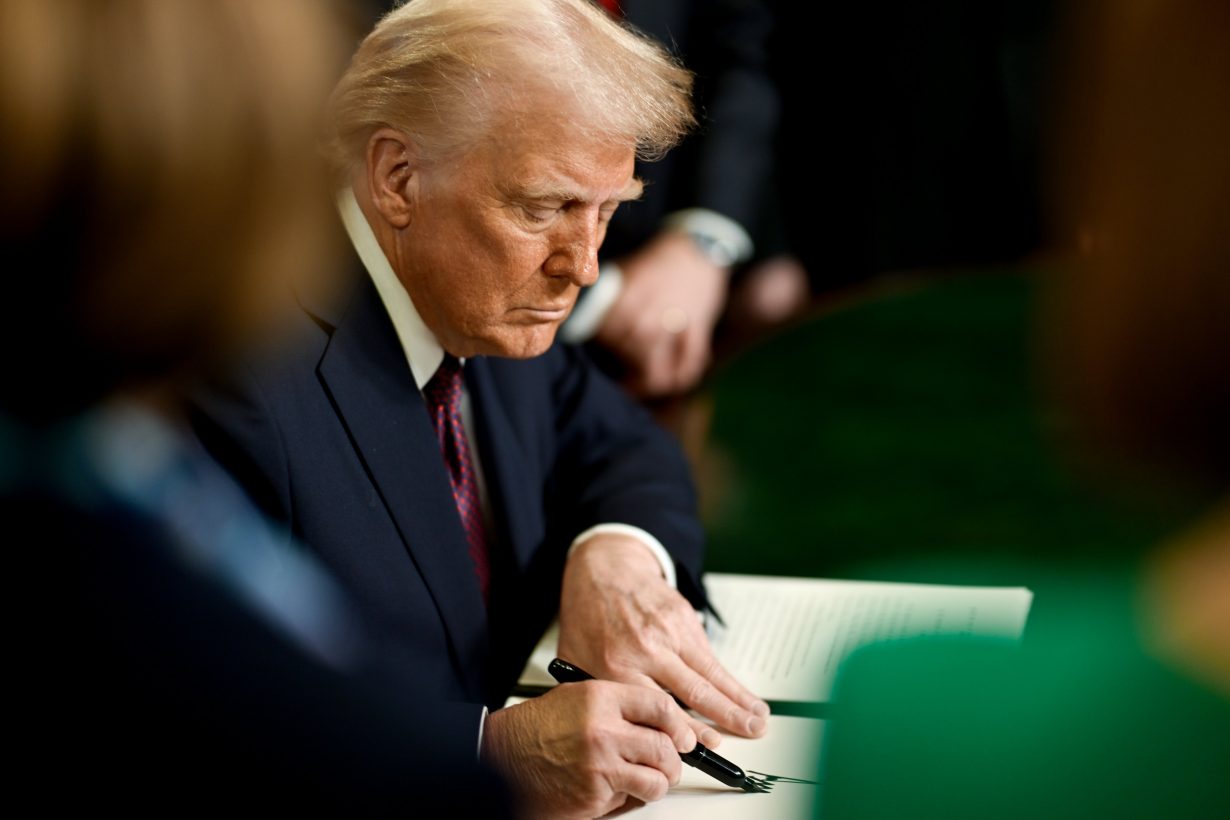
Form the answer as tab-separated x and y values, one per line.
539	214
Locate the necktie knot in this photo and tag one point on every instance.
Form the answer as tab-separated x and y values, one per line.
443	392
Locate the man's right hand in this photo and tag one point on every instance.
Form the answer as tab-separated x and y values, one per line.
583	749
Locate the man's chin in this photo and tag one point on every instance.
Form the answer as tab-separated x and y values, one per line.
524	342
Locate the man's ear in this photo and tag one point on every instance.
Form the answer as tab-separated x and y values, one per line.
392	175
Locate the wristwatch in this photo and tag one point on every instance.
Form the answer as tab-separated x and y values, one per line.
714	249
723	241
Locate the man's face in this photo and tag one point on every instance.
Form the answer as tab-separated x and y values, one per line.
500	244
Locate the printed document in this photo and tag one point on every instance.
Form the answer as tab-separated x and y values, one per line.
784	638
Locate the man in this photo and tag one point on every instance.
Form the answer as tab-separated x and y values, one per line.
462	476
667	262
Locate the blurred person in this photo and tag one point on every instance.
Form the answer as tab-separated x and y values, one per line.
910	134
420	432
167	653
1118	704
669	257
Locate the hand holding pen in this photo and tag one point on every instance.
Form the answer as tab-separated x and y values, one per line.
699	756
582	751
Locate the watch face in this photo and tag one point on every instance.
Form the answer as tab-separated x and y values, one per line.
713	249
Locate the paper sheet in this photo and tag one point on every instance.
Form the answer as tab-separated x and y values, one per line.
785	637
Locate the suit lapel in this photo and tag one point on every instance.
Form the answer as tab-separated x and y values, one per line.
366	375
513	491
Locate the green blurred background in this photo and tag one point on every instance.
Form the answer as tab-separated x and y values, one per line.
901	436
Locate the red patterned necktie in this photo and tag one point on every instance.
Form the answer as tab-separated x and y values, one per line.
443	396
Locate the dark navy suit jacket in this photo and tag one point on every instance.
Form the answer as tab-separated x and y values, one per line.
330	434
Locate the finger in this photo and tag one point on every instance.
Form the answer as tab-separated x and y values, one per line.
693	357
659	373
688	354
642	782
701	658
650	706
705	733
649	747
700	694
637	347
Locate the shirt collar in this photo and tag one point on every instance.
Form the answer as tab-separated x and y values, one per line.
422	349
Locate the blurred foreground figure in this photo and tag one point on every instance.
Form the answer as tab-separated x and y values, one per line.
1118	705
172	657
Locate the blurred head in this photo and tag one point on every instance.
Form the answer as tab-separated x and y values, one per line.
1142	325
489	144
161	175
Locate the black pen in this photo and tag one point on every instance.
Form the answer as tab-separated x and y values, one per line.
711	763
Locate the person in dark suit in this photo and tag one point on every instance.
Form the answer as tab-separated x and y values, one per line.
421	434
669	257
166	653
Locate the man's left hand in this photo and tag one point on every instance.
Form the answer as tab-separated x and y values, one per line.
621	621
661	326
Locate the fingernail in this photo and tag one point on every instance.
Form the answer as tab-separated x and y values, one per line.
761	708
710	738
755	726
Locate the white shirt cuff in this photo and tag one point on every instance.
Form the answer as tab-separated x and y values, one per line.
732	242
482	724
589	313
652	544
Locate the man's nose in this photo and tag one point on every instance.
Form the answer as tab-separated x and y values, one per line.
575	254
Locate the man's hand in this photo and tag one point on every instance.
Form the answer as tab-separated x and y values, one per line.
583	749
661	326
619	620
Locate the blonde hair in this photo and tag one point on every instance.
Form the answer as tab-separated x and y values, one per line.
161	167
443	71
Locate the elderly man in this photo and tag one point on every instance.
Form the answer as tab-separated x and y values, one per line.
465	478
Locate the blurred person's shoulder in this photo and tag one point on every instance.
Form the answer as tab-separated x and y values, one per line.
1080	720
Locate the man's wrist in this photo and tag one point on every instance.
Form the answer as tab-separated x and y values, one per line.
719	238
665	562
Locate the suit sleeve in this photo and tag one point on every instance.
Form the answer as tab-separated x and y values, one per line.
615	465
732	154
